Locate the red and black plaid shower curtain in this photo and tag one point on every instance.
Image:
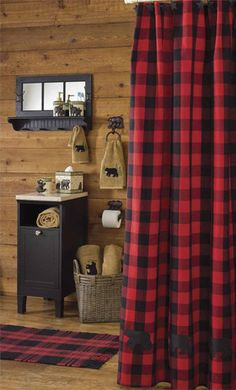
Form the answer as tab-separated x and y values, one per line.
178	316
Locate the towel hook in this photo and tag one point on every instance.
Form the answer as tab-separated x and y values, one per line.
114	123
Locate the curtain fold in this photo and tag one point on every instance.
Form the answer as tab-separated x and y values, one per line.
178	314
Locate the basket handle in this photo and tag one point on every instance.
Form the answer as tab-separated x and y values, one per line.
76	266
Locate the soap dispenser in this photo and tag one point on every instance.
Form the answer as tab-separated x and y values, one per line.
66	106
79	105
58	105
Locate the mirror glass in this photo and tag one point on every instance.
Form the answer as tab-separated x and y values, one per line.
51	93
32	96
76	90
37	98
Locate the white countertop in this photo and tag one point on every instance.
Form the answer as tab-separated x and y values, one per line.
51	197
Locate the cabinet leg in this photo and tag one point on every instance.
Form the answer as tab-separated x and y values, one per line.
59	306
21	304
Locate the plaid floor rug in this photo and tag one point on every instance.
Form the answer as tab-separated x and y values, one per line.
58	347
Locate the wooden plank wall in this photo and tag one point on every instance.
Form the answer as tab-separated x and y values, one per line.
40	37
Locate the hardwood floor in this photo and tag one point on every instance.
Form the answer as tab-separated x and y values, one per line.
24	376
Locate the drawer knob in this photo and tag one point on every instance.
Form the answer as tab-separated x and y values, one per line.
38	232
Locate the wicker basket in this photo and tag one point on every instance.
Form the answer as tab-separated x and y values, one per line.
98	296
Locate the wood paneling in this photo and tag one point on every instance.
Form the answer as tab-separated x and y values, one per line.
24	141
60	37
35	160
65	61
67	12
8	268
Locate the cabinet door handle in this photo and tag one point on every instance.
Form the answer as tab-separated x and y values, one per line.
38	232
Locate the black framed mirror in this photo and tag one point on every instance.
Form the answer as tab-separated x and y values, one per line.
53	102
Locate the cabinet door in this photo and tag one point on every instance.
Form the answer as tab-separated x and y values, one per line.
39	257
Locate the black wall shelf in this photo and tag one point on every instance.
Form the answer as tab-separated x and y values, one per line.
40	91
48	123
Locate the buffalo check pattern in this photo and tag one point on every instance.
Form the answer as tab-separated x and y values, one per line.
178	314
57	347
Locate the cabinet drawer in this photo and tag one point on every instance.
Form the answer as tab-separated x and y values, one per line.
39	257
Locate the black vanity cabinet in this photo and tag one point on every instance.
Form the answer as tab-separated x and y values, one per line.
45	256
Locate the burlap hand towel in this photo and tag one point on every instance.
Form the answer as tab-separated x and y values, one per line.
89	259
79	145
113	170
49	218
112	260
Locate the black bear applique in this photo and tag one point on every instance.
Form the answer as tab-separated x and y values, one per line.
59	111
65	184
138	341
75	111
111	172
91	268
221	347
79	148
181	344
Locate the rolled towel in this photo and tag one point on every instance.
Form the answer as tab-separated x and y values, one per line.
89	259
49	218
112	263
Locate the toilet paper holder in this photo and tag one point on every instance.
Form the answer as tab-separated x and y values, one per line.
115	205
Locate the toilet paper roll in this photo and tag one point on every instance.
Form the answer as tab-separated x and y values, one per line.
111	219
